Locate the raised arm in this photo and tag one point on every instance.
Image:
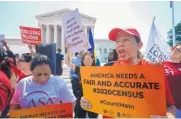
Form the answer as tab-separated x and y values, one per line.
171	111
32	50
68	61
6	46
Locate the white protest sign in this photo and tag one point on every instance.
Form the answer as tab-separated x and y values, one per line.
1	37
74	32
157	49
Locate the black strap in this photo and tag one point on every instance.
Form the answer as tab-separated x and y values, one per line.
109	63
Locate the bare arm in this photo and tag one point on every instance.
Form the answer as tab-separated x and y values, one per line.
68	61
62	64
73	105
6	46
13	80
171	111
32	50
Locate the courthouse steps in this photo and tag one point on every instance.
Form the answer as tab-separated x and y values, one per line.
66	75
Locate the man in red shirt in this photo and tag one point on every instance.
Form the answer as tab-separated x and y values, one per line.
128	44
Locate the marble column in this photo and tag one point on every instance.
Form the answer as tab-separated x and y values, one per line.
48	39
62	40
42	34
59	37
51	34
56	35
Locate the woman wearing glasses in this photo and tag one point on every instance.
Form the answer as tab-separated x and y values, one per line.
23	66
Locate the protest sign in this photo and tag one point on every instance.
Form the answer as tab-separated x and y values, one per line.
63	110
1	37
74	32
125	92
30	35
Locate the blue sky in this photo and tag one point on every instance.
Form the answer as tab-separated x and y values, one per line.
109	14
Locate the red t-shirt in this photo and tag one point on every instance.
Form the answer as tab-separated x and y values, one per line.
6	91
173	73
169	99
20	74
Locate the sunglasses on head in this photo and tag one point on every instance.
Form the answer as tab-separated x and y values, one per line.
20	60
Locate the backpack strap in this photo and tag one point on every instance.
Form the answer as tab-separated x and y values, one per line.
109	63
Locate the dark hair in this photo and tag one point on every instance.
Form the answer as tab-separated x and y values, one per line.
138	40
17	55
10	54
27	57
39	59
59	50
115	58
4	63
92	56
139	54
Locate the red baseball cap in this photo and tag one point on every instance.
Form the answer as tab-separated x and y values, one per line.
132	31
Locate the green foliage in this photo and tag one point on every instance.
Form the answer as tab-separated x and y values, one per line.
177	34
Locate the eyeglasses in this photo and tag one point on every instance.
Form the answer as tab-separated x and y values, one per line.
20	60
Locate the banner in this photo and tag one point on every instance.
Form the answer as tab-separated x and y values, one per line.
91	41
50	51
30	35
63	110
74	32
125	92
157	49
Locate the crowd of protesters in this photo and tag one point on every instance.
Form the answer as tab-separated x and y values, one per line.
30	72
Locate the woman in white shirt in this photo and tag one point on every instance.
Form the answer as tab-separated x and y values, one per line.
41	88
